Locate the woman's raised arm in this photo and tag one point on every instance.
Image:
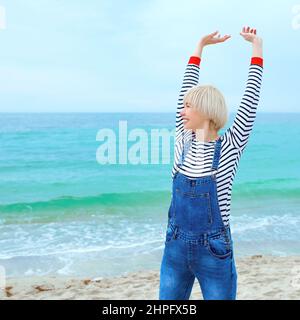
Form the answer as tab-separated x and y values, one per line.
191	75
246	114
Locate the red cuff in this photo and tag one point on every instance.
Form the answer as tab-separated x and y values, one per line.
257	60
195	60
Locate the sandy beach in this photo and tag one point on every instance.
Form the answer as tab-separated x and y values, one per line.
259	278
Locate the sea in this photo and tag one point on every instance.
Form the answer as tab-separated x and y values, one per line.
87	194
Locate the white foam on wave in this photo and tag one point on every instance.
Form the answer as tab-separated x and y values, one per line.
109	247
75	237
272	227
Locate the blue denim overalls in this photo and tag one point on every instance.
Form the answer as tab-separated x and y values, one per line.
197	242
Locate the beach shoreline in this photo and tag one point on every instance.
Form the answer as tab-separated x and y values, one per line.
259	278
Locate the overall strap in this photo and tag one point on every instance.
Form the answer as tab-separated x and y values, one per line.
217	153
185	150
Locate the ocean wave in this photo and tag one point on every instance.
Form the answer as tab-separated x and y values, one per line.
76	247
242	191
104	199
68	207
271	188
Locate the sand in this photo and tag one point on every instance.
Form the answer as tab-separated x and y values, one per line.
259	278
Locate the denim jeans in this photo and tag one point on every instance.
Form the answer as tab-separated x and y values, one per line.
197	243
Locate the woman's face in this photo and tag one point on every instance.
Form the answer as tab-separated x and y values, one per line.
192	118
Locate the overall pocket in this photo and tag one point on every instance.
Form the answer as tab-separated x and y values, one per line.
219	246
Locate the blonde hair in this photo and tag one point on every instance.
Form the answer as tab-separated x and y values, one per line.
209	101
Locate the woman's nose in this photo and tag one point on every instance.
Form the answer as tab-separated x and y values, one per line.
182	112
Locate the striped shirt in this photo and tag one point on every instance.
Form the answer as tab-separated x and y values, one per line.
198	160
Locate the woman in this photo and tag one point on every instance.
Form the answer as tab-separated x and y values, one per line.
198	238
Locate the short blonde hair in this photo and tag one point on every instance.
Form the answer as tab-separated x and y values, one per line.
209	101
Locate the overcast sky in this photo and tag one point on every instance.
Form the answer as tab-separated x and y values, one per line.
103	56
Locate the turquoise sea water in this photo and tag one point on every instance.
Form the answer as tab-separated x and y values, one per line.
61	212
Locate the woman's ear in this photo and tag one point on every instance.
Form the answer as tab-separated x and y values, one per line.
212	124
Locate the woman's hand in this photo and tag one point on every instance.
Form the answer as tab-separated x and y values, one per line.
250	35
212	38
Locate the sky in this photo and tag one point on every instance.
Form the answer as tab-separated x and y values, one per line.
130	56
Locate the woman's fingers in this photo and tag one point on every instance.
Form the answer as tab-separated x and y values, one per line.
249	34
213	34
224	38
214	38
248	30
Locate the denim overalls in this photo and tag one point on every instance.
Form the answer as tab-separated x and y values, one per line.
197	242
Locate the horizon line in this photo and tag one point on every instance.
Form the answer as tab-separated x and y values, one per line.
133	112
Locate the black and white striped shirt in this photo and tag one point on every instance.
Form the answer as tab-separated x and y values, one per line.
198	161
